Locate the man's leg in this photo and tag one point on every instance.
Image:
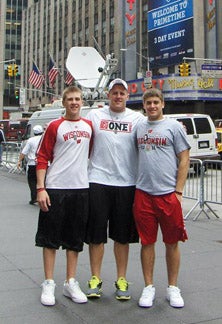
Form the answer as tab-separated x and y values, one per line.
147	261
0	153
32	182
49	262
72	258
48	286
71	287
96	252
121	252
173	263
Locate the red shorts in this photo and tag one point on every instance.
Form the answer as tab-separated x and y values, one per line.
150	211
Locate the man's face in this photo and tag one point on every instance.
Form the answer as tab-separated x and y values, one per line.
73	103
118	97
154	108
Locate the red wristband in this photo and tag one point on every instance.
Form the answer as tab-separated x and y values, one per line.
40	189
179	193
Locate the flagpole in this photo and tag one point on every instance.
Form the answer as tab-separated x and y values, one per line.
36	66
40	73
53	71
55	65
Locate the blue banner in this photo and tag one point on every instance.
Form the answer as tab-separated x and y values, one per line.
170	31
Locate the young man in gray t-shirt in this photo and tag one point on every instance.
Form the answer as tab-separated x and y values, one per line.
162	170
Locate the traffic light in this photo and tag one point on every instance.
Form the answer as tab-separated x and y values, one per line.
181	69
15	69
184	69
16	94
10	70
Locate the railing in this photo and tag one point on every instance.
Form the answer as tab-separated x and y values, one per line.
204	185
11	151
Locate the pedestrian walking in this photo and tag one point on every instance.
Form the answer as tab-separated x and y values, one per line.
162	172
29	152
2	140
112	177
62	194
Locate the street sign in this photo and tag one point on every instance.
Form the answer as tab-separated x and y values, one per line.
147	82
149	74
22	96
148	79
211	70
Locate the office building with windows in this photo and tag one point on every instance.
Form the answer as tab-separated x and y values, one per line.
10	48
149	38
52	27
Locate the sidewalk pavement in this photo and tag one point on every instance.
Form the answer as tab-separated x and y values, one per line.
21	272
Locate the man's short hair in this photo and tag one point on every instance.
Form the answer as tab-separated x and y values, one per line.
153	92
69	90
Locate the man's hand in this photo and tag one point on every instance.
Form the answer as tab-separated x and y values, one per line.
43	200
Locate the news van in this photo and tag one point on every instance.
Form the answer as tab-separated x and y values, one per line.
202	135
43	117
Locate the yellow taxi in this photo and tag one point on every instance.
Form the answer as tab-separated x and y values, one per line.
219	139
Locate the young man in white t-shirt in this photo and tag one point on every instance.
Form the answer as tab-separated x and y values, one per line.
112	177
29	151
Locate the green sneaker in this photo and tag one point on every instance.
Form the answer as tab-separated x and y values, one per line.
94	287
122	292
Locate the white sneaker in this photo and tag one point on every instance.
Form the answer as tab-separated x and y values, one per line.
72	290
174	296
48	293
147	297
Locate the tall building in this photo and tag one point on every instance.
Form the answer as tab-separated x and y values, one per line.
52	27
185	56
149	38
10	48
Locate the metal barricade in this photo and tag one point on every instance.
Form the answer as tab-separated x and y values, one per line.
204	184
11	151
212	184
192	189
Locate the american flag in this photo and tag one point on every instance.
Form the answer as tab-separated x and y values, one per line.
53	72
69	78
36	78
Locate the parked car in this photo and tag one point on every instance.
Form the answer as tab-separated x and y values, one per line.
219	141
201	134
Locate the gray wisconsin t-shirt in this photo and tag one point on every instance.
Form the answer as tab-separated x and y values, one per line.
159	142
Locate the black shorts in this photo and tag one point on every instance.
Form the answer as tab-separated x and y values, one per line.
111	205
65	223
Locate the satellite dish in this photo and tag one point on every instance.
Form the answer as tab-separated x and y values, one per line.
83	63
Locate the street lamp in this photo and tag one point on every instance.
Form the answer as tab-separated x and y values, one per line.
139	54
148	74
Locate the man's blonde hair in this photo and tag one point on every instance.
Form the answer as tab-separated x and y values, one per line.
69	90
153	92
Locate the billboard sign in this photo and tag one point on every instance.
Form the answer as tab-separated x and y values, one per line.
170	31
211	70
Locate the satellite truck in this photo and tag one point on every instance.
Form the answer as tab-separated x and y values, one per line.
91	73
